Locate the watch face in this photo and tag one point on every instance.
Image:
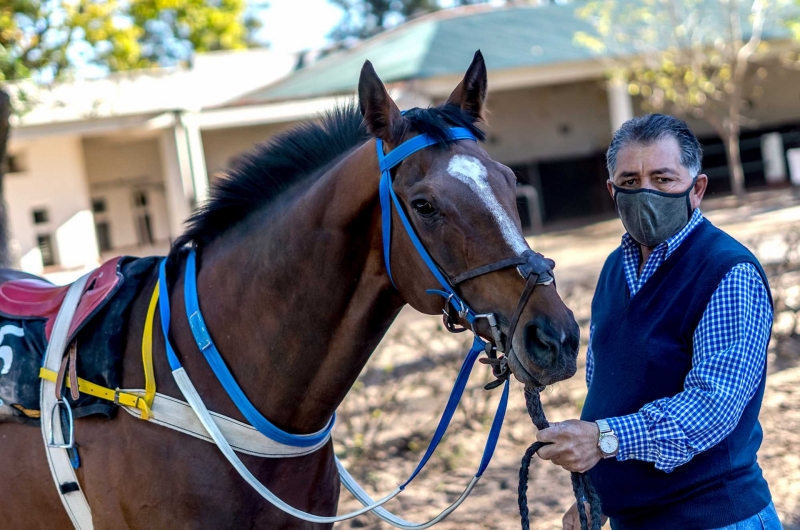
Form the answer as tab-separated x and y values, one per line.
609	444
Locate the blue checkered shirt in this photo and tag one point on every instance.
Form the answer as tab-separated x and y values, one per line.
730	347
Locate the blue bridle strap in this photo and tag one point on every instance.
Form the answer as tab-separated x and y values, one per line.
388	196
206	345
450	409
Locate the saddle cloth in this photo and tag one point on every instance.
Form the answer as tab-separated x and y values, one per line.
27	310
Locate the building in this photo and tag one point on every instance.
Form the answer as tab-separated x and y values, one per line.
115	165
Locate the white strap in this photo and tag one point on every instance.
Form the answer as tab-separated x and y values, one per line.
191	395
179	416
363	497
60	467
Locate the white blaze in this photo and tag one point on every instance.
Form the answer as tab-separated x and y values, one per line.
471	172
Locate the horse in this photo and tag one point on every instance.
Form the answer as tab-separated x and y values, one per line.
296	294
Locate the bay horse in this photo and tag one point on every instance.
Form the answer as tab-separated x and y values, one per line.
295	292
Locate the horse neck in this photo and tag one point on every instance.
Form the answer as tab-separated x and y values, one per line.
298	299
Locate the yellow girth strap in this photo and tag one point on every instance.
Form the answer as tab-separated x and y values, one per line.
86	387
143	403
147	353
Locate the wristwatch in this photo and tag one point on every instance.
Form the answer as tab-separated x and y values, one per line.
608	443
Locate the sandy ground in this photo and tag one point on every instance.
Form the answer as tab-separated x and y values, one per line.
388	417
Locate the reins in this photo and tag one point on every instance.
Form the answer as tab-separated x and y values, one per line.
581	483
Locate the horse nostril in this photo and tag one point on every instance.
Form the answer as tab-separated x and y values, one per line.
541	344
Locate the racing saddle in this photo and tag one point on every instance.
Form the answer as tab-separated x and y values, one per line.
31	297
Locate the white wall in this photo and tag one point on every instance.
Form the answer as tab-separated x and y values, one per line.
54	179
223	145
547	122
116	168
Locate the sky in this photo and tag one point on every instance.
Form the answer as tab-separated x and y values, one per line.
294	25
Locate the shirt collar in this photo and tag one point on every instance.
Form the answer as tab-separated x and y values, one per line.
673	242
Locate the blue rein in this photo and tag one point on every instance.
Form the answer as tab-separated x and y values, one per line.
387	197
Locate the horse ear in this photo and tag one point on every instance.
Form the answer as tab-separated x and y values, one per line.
379	110
470	94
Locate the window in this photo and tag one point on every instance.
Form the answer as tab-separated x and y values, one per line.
13	163
98	205
103	236
40	216
140	198
144	230
45	243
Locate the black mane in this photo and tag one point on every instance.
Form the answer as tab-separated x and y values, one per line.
256	178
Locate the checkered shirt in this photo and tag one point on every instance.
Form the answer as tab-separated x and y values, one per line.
730	345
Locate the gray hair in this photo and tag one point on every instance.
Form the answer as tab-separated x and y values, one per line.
651	128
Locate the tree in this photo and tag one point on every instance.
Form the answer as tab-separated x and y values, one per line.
366	18
692	57
43	39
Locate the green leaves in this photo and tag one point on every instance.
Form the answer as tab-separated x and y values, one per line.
44	38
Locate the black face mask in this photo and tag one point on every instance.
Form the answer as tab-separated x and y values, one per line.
651	217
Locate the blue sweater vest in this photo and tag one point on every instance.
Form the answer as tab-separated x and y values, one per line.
642	349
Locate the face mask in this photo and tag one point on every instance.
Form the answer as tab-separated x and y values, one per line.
651	217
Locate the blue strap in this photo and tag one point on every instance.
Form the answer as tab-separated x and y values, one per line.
386	216
210	352
163	308
386	163
452	404
494	432
423	253
409	147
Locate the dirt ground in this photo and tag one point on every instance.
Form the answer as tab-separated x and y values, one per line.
387	419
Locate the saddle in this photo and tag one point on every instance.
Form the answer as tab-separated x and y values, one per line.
28	307
38	298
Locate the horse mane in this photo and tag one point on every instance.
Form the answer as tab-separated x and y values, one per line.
257	178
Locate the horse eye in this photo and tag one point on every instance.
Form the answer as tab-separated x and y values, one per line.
424	208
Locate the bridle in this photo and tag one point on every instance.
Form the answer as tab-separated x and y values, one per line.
532	266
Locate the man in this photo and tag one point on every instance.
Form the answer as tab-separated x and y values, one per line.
676	363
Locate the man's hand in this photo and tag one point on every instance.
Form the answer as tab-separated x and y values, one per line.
571	520
573	445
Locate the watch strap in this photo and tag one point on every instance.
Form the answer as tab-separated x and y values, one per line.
603	426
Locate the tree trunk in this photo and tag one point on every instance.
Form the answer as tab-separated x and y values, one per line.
5	128
734	163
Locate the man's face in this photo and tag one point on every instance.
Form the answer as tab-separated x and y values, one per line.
656	166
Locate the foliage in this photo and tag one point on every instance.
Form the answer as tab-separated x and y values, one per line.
689	57
366	18
45	38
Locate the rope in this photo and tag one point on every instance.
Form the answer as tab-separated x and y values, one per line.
581	483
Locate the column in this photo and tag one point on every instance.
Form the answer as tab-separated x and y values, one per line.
177	177
620	106
197	158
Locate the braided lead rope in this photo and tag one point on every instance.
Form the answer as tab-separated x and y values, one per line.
581	483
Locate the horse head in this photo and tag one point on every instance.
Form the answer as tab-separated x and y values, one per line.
462	207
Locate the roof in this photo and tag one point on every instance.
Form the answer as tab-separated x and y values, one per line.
144	92
443	44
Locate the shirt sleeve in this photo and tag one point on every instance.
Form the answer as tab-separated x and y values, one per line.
589	358
730	348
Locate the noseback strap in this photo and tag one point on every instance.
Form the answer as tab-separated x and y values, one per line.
537	264
528	263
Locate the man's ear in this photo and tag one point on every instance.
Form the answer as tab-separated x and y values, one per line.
470	94
699	190
380	113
